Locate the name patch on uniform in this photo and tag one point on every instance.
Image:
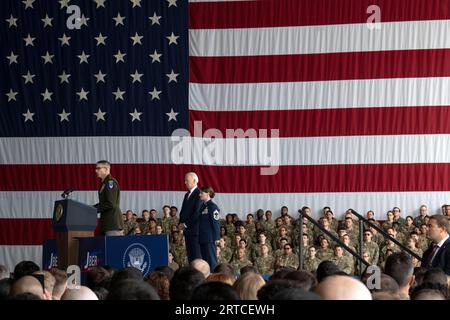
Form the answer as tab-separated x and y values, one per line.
216	215
110	184
205	211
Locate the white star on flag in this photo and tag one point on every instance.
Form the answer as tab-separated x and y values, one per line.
155	56
100	39
136	39
64	77
29	41
84	57
100	115
28	77
47	21
28	115
100	3
155	94
119	94
83	20
136	3
48	58
83	94
119	56
12	58
64	116
172	115
47	95
63	3
100	76
136	76
172	76
172	39
172	3
12	21
135	115
11	95
155	19
119	19
28	4
64	40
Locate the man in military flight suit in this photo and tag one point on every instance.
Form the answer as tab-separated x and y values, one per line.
209	227
109	201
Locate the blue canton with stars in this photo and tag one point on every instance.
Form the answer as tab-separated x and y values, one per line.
119	68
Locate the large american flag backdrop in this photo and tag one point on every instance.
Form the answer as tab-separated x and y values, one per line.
363	113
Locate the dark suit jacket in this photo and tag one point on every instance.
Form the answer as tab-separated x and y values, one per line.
190	212
109	205
442	258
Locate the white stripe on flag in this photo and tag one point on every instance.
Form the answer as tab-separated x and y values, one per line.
241	203
319	39
292	151
394	92
12	255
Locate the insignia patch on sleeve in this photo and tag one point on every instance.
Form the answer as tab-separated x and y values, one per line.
110	184
216	215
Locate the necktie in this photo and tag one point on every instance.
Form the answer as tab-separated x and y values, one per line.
432	254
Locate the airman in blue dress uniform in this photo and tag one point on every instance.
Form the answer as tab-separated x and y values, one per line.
209	226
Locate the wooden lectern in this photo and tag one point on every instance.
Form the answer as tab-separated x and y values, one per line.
72	220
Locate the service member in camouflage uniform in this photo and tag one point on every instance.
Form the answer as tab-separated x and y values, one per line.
280	250
172	264
240	261
371	247
421	243
311	261
420	219
173	214
130	224
343	262
391	246
352	230
282	233
250	226
287	259
326	225
329	215
411	243
397	217
143	225
166	221
389	221
265	263
178	249
229	225
262	240
324	252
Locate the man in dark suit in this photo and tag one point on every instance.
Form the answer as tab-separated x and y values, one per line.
438	254
189	216
109	201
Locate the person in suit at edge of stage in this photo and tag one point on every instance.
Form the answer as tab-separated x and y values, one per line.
189	216
438	253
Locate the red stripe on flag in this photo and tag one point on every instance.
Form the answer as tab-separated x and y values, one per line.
232	179
254	14
331	122
28	231
321	67
25	231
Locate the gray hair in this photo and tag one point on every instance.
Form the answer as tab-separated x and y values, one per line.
193	175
